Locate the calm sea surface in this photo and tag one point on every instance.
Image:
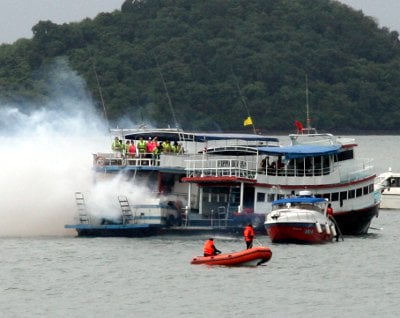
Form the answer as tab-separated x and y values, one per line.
66	276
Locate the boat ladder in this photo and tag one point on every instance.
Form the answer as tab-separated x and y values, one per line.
81	208
127	216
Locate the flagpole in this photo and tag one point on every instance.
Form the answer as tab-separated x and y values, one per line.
244	102
308	120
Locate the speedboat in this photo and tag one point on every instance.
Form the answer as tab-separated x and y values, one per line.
301	219
251	257
388	185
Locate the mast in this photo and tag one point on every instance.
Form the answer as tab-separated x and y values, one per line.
244	102
166	90
308	120
101	94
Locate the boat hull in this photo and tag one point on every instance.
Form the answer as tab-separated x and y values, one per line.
115	230
356	222
296	233
252	257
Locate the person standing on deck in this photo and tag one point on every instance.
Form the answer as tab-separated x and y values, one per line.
248	234
141	146
117	147
132	150
329	213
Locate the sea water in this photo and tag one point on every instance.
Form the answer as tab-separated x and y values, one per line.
67	276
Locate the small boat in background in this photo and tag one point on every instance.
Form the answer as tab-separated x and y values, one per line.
301	219
388	185
251	257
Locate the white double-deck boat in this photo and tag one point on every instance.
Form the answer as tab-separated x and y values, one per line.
321	163
388	185
192	207
223	181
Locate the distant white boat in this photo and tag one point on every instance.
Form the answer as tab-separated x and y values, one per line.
388	183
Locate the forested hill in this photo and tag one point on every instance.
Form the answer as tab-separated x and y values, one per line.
220	61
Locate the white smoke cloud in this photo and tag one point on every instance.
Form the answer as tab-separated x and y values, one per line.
46	157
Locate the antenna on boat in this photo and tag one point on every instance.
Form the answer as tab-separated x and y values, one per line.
166	90
101	94
243	101
308	120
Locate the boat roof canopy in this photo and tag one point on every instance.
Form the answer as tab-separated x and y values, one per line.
299	200
299	151
178	135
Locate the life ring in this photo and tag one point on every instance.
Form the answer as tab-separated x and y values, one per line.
100	161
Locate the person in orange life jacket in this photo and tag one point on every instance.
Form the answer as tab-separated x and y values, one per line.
210	249
248	234
329	213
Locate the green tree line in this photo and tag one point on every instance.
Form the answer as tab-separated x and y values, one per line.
220	61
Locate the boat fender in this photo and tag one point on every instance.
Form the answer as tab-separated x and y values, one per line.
333	230
100	161
318	226
327	229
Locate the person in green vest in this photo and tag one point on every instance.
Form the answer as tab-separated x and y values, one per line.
117	147
141	146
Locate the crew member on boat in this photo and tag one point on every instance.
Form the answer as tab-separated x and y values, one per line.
210	249
117	147
329	212
248	234
141	146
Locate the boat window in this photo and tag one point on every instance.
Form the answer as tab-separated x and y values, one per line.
327	196
260	197
271	197
359	192
335	196
346	155
352	194
279	196
371	188
365	190
343	195
394	182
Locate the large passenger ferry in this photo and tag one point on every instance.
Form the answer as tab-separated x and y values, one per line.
219	182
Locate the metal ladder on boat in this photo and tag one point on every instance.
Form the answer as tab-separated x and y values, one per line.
81	208
127	216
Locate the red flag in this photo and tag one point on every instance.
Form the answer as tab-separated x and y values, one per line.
299	126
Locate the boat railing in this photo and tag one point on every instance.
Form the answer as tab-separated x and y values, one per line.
221	167
361	168
101	160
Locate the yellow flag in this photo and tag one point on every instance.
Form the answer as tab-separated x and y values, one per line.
248	121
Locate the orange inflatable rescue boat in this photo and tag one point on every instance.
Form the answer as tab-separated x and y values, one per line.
252	257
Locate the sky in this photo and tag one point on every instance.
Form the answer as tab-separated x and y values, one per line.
17	17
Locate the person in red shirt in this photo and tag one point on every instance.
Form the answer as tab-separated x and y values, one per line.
210	249
329	213
248	234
